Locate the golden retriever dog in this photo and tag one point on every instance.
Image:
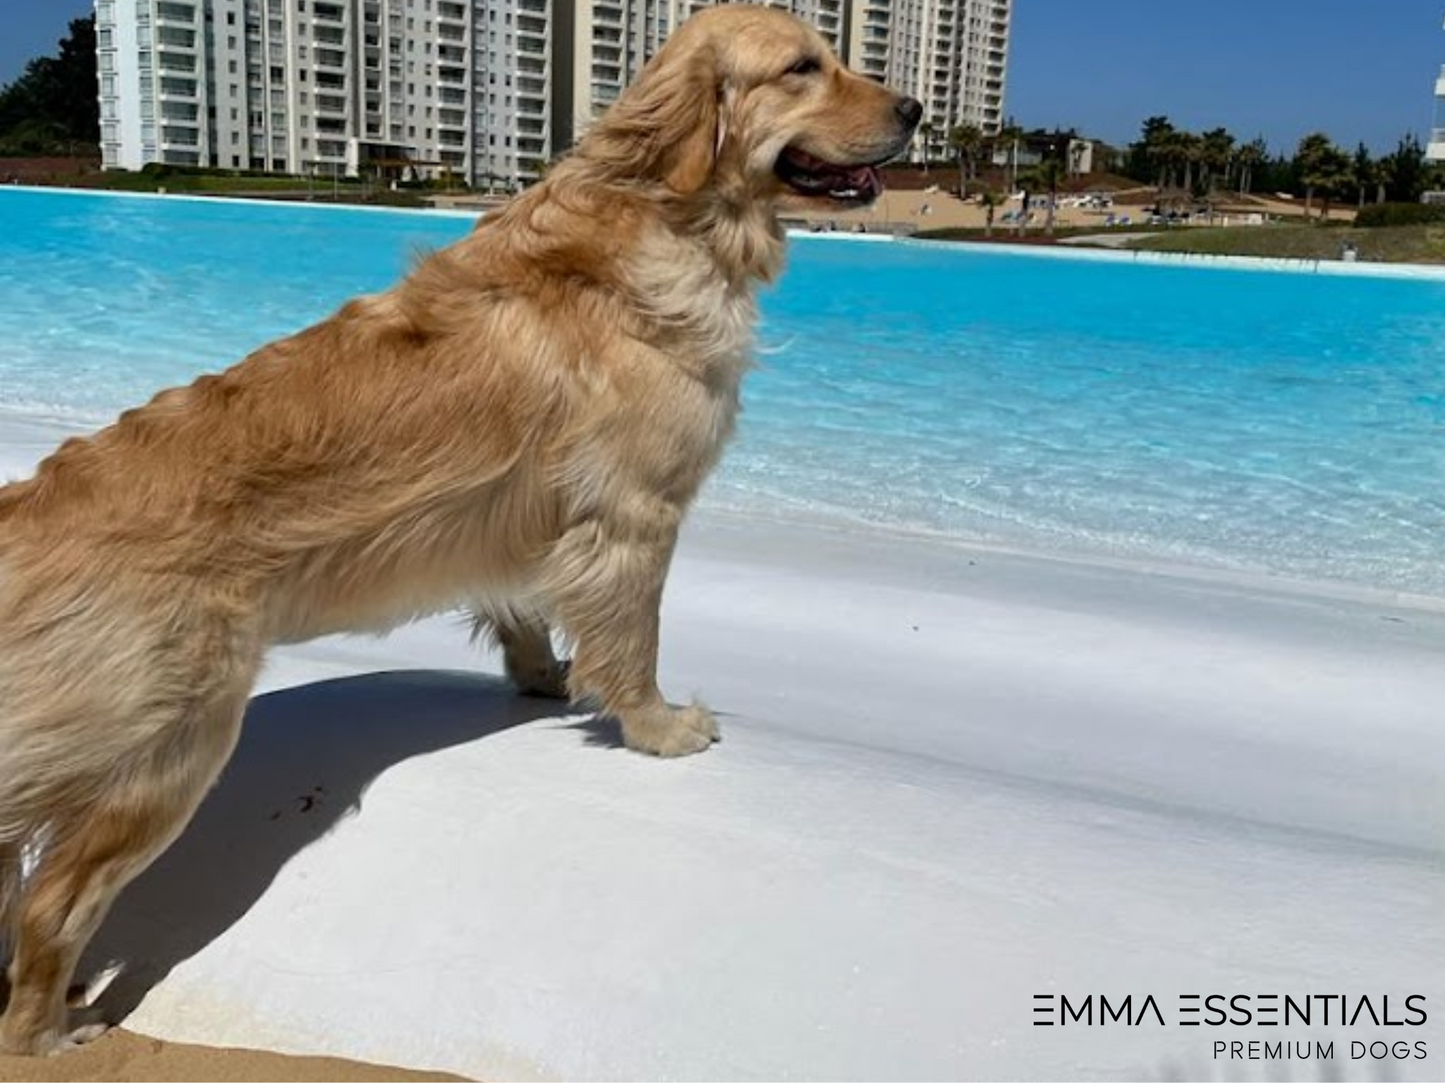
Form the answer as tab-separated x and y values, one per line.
517	428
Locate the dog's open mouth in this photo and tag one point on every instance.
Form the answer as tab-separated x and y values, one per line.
812	176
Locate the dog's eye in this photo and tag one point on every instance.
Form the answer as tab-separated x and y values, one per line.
808	65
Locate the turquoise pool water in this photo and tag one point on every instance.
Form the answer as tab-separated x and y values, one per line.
1286	423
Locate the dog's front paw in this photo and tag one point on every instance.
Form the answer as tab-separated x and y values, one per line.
670	731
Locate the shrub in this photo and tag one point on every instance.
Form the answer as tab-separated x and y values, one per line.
1400	214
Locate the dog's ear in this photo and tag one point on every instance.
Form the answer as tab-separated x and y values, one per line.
665	127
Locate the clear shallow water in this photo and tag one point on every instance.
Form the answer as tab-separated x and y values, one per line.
1280	422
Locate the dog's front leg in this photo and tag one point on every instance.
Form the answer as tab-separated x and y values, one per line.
607	579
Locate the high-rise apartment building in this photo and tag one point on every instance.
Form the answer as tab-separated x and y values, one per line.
606	43
321	86
952	55
487	90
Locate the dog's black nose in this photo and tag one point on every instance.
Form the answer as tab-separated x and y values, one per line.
910	110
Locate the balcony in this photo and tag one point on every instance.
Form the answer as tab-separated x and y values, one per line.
175	62
176	14
180	136
180	113
176	38
172	88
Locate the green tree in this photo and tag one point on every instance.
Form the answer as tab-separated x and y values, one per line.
1046	177
1144	160
966	141
990	200
54	101
1363	171
1008	142
1406	169
1323	167
1216	156
1247	160
925	140
1190	149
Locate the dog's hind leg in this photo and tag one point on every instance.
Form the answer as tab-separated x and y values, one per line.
527	652
93	851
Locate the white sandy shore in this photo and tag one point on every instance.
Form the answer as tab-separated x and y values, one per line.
951	779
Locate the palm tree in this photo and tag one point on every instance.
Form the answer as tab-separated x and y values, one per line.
1190	149
1046	177
989	200
1364	172
1248	158
1215	155
1154	145
1008	138
1321	164
1384	177
925	137
1336	174
1025	183
966	140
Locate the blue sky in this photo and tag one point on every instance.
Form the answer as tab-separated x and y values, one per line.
1358	69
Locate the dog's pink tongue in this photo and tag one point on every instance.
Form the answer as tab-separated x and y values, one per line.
866	180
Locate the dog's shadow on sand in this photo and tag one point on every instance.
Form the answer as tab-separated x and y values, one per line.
305	760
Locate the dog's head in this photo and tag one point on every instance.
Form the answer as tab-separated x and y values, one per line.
750	103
